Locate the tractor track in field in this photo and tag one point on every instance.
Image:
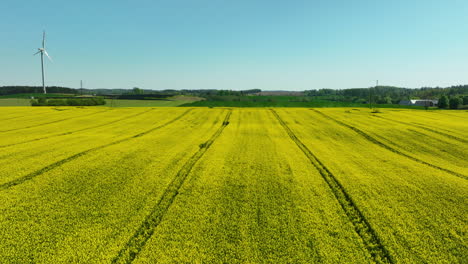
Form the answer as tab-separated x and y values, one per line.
22	115
444	141
371	240
136	243
425	128
47	168
1	120
440	132
75	131
51	122
387	147
444	113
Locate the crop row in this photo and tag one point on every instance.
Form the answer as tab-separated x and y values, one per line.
416	209
361	225
115	186
390	148
232	185
144	232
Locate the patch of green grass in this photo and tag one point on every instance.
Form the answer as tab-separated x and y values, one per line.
24	100
14	102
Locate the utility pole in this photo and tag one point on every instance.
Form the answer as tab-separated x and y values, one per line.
370	93
376	85
370	97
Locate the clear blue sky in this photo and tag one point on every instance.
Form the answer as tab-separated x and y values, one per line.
242	44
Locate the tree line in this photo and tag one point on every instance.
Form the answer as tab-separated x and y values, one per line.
68	102
388	94
453	102
7	90
450	97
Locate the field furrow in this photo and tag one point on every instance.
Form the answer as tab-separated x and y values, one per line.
390	148
48	123
9	113
38	154
418	211
368	235
101	199
427	129
146	230
233	185
254	198
77	130
77	155
455	125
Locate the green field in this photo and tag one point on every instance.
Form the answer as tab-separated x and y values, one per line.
14	102
171	101
175	101
232	185
280	101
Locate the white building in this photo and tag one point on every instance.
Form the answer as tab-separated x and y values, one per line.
420	102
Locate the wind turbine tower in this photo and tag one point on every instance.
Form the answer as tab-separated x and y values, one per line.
43	51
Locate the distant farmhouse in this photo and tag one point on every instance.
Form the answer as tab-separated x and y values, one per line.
419	102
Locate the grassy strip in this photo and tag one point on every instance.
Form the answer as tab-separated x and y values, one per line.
385	146
146	230
75	131
371	241
52	122
30	176
13	102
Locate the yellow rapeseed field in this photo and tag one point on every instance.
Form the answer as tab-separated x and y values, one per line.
232	185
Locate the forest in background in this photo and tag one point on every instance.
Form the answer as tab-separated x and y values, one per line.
381	95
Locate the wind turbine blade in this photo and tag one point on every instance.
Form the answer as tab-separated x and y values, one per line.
37	53
43	39
45	52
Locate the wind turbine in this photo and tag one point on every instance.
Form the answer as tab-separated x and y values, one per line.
43	51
